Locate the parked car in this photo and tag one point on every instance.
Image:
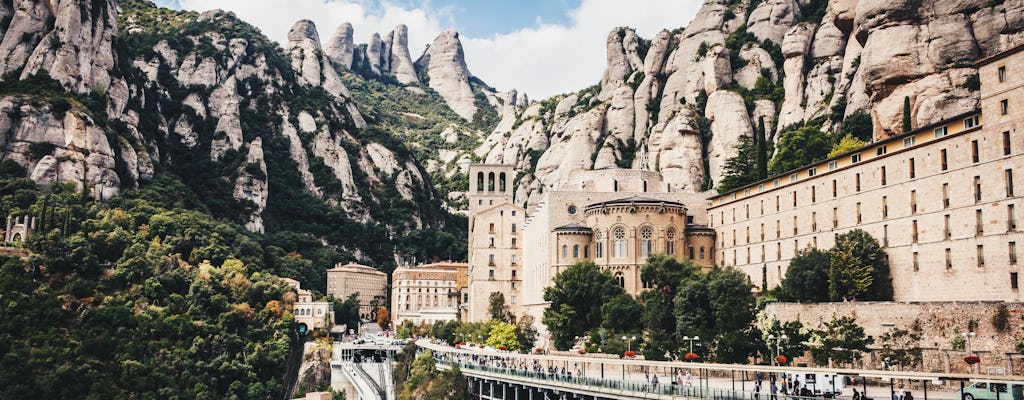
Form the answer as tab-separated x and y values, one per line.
992	391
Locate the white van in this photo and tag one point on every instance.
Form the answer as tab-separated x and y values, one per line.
821	384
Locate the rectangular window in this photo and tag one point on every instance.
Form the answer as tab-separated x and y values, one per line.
885	207
949	258
913	169
885	235
513	228
1006	143
975	157
945	195
762	253
746	210
940	132
981	255
835	217
762	232
812	172
946	233
942	155
1008	178
778	251
794	225
859	219
977	189
855	158
692	252
513	243
833	188
778	229
775	183
907	142
762	207
832	165
776	203
814	221
1011	217
916	265
1013	280
883	175
881	150
1004	106
914	231
748	235
913	202
970	122
857	181
1002	74
794	198
979	222
814	194
1013	252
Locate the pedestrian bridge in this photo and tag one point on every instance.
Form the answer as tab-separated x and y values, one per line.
501	375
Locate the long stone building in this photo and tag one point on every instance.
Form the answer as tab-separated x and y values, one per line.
941	200
427	293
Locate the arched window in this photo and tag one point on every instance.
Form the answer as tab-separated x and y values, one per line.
490	182
575	251
480	181
619	235
670	241
501	182
701	252
565	251
621	279
646	241
598	245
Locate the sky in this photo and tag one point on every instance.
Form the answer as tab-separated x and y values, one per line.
538	47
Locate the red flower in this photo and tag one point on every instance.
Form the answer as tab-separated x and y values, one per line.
502	348
781	359
691	356
972	359
629	353
538	350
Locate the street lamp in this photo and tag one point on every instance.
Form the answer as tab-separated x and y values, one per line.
778	340
629	342
691	339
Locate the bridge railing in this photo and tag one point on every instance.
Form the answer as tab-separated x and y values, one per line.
662	388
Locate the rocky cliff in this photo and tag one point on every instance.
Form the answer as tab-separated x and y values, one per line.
681	100
106	95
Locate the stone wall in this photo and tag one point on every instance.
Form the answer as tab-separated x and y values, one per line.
935	320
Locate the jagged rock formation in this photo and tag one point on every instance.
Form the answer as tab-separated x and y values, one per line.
341	47
446	67
206	97
682	99
384	57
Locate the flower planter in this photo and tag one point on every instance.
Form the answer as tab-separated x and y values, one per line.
630	354
781	359
691	356
972	359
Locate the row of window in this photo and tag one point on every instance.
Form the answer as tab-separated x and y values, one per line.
308	312
979	222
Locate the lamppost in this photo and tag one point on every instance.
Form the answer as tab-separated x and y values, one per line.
629	342
691	339
778	341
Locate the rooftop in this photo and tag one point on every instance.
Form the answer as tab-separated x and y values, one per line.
353	267
574	227
637	200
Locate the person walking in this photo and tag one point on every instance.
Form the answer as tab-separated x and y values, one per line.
775	392
856	394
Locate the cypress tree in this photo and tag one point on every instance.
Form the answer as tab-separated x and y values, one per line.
762	150
906	114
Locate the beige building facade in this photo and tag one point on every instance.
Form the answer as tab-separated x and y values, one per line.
369	283
315	314
495	241
941	200
427	293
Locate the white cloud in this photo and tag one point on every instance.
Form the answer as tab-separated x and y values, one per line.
541	61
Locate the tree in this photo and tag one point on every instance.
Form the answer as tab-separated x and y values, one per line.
901	348
799	147
526	333
848	278
842	341
847	144
742	168
346	312
866	250
622	313
859	125
576	295
497	307
503	335
666	275
762	149
718	307
807	277
907	124
383	317
797	333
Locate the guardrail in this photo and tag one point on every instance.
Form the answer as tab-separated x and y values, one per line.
376	387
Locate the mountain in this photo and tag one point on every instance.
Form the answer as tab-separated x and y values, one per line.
680	102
